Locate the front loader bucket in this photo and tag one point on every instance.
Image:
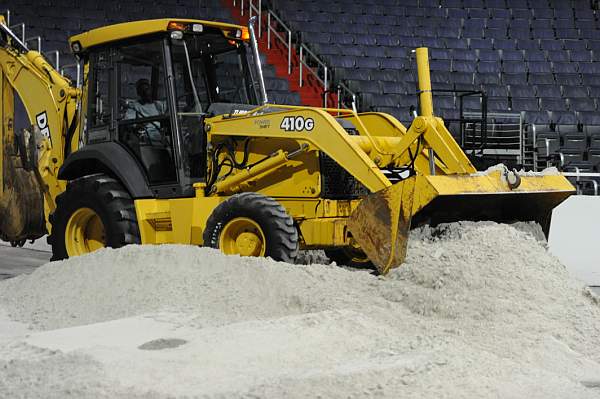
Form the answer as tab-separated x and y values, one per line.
445	199
381	223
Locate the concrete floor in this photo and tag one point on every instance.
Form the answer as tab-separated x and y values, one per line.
15	261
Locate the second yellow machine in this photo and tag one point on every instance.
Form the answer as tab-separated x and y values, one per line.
170	139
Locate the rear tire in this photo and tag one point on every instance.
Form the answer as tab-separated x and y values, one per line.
251	224
94	212
349	256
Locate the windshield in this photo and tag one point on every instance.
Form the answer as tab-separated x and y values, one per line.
208	69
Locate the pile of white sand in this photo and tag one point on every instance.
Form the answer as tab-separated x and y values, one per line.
478	310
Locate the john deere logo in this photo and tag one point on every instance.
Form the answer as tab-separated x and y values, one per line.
42	124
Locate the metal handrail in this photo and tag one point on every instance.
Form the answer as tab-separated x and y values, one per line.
325	81
342	92
56	54
78	68
38	39
252	7
22	25
286	41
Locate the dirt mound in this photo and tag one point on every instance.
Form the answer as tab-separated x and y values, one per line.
477	310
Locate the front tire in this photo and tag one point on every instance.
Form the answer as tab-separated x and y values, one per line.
349	256
94	212
251	224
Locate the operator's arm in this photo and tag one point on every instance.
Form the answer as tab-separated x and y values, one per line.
132	111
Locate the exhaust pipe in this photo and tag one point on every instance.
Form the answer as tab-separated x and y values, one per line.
254	44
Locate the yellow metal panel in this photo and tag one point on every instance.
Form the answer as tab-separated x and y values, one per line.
298	177
128	30
325	232
495	183
378	124
327	135
425	98
186	217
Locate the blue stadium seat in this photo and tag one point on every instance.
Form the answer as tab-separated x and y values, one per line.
514	78
495	33
487	78
440	65
498	104
524	104
590	80
564	67
464	55
579	45
383	74
373	51
463	66
551	45
504	44
581	104
558	56
475	43
489	67
433	42
401	30
539	117
396	52
448	31
535	55
540	79
367	62
496	23
521	91
387	40
549	91
365	86
543	33
539	67
457	44
443	101
588	118
563	117
526	43
511	55
590	68
471	103
488	55
500	13
575	92
439	54
394	88
569	79
391	63
496	90
514	67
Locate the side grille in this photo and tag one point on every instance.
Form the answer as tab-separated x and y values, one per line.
336	182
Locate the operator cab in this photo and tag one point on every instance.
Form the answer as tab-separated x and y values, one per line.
149	92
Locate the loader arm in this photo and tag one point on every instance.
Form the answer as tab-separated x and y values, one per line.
326	135
51	105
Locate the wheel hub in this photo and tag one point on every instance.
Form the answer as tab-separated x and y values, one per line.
242	236
84	233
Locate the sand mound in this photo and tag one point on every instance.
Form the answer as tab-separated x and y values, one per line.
478	310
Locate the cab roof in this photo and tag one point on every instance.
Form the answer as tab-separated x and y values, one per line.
127	30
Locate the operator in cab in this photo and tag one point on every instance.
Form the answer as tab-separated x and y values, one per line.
146	107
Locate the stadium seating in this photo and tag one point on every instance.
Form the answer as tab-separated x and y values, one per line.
56	20
540	58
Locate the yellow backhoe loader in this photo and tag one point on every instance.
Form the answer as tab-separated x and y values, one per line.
170	139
